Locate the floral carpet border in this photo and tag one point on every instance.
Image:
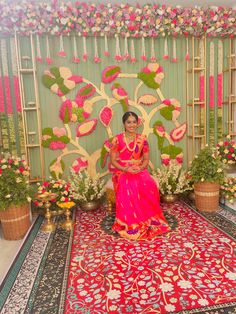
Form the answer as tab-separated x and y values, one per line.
35	273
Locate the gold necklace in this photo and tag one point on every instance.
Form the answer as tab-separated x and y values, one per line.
127	144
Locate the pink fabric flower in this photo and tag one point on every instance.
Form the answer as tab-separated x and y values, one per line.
57	145
79	164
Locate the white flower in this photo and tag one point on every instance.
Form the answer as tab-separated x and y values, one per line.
185	284
29	199
113	307
170	308
203	302
113	294
189	244
223	239
173	300
144	296
166	287
168	273
83	293
8	196
231	276
81	280
141	283
4	166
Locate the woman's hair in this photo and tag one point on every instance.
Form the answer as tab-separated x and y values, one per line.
129	114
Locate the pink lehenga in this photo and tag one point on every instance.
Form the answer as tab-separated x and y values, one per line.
138	212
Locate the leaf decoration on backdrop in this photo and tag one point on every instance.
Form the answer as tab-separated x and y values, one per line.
110	73
178	133
105	152
60	80
159	131
152	75
55	138
57	167
105	116
120	94
171	109
86	127
147	100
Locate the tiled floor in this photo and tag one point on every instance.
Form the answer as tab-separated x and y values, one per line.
8	251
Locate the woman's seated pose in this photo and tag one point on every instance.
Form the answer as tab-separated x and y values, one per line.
138	212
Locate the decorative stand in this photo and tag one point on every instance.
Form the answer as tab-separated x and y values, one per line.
68	223
46	197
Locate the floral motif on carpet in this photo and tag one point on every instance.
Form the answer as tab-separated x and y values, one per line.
190	268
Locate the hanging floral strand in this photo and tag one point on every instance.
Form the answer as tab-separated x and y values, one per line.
202	75
211	77
48	57
61	52
143	56
85	54
118	56
75	57
126	50
96	58
39	56
106	51
153	57
133	58
166	53
220	74
174	59
187	56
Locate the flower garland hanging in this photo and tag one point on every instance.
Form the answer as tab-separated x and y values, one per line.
64	17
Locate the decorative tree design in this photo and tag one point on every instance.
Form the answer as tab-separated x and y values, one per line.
61	81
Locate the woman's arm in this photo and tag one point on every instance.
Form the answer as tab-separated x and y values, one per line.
113	156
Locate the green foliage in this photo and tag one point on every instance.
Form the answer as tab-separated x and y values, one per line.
148	79
207	167
166	112
172	151
53	138
14	182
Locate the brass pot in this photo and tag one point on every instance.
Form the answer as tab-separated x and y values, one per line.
169	198
89	206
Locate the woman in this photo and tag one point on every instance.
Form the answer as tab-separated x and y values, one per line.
138	212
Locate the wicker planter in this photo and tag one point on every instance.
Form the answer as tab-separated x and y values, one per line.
15	221
207	196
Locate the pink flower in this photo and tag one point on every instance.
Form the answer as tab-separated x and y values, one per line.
79	164
165	159
57	145
160	130
59	131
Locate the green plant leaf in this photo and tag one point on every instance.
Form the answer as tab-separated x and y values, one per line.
148	79
171	150
167	112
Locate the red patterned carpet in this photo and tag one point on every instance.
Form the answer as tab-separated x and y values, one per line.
190	267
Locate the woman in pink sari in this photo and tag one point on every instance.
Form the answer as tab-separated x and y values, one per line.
138	212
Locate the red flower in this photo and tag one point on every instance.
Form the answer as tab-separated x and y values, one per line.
21	169
226	143
231	149
46	184
229	156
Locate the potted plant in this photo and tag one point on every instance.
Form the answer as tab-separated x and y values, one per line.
172	180
207	174
227	153
60	188
228	189
86	190
15	193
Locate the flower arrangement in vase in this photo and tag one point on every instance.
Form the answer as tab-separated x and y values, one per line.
60	188
86	190
228	189
15	195
172	179
227	152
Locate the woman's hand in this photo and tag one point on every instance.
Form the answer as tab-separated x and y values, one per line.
134	169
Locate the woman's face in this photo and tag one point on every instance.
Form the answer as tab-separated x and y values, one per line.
131	124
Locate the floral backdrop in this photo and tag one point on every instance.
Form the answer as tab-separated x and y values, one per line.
60	17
